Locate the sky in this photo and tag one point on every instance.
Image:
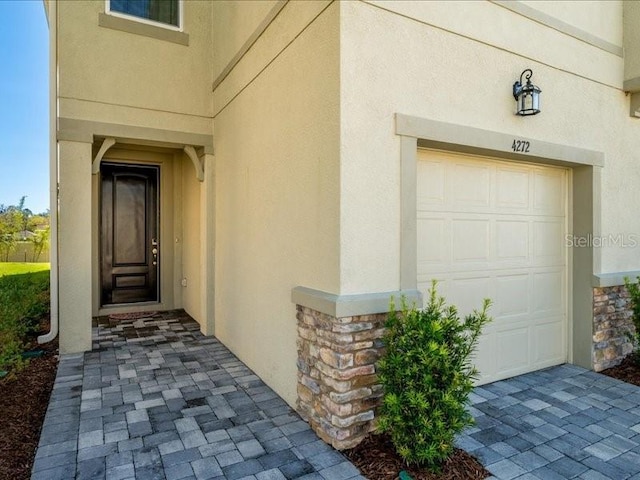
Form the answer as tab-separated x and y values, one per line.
24	104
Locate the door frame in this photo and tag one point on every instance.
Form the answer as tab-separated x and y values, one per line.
154	224
169	255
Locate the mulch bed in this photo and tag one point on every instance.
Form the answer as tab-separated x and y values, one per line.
627	371
23	402
377	460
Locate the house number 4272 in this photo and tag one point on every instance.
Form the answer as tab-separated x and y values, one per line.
520	146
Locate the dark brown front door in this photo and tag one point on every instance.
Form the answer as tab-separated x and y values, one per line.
129	249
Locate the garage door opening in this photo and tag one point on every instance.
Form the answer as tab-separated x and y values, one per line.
496	229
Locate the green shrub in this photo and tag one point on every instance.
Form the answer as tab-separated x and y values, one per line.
634	296
427	376
24	299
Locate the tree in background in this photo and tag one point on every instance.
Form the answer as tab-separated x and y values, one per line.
7	244
39	221
40	240
24	214
10	221
17	218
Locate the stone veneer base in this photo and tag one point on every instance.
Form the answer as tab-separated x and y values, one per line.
612	323
338	390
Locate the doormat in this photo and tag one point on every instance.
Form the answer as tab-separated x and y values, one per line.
131	316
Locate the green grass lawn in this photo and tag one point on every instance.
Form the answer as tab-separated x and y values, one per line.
9	268
24	299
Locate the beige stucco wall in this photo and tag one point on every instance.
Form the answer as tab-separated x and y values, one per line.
436	65
504	29
239	21
119	77
277	187
601	19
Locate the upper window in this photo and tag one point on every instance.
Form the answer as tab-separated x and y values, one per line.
160	12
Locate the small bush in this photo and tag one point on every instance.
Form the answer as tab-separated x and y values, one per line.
427	376
634	295
24	299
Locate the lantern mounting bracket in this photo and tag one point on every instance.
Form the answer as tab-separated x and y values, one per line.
517	87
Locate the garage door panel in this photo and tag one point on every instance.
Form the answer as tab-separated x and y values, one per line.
470	185
548	242
491	229
549	192
469	293
512	240
485	363
443	286
512	350
431	176
549	342
433	248
466	293
470	240
512	295
507	323
512	192
548	292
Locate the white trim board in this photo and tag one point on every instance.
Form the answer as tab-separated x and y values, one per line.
340	306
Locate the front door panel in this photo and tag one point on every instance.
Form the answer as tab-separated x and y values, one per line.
129	250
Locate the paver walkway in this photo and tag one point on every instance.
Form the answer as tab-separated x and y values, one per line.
156	399
559	423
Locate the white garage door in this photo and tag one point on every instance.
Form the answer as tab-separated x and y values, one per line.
494	229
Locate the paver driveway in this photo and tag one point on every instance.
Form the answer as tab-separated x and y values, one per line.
156	399
558	423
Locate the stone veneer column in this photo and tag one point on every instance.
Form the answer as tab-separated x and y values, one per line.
611	324
338	390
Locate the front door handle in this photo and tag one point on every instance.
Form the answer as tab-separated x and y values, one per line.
154	251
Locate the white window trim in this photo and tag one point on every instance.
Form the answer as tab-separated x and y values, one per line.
179	28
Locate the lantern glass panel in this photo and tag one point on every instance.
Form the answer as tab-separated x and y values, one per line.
535	101
527	101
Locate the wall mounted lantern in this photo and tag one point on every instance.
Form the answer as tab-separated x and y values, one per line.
527	96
